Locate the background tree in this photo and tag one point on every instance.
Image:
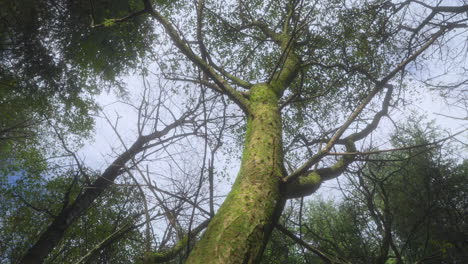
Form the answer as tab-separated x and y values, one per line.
30	204
401	207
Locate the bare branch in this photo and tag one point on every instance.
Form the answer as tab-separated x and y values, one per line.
204	66
325	257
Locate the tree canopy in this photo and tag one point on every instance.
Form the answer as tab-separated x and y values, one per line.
302	86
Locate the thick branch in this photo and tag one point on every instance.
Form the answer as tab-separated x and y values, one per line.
310	181
110	22
235	95
69	214
276	37
288	64
445	9
398	149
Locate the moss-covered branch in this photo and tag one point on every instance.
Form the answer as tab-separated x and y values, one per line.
288	65
310	181
287	68
304	185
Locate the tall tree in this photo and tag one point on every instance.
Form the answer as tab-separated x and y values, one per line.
357	43
307	78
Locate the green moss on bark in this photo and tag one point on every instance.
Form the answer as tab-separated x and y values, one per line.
240	229
304	186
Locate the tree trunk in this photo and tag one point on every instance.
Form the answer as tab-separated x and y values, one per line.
239	231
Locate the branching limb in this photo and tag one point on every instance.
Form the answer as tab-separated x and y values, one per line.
310	181
363	153
379	86
73	154
325	257
233	94
276	37
69	214
112	21
35	208
236	80
445	9
201	62
111	239
375	120
206	83
205	55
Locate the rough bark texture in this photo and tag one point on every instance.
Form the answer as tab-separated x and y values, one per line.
253	206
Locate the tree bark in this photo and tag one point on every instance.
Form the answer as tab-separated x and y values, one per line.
239	231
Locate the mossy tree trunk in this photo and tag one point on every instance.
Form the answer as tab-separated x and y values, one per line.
242	226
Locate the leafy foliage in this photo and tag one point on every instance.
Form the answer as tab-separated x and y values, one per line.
28	204
416	195
52	65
